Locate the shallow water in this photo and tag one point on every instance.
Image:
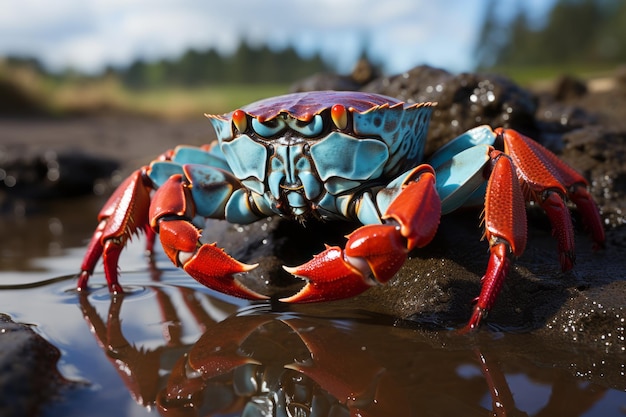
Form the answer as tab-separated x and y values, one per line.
170	346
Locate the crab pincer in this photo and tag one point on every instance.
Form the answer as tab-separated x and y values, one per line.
374	253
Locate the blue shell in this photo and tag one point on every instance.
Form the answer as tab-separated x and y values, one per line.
288	155
279	158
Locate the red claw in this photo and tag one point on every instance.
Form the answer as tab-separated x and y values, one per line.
374	253
329	276
417	209
208	264
169	211
381	246
214	268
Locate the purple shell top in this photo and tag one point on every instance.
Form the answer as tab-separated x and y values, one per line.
303	106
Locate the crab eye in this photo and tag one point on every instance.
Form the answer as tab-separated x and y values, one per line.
339	114
312	128
240	120
268	128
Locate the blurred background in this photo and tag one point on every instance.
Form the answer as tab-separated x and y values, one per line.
184	58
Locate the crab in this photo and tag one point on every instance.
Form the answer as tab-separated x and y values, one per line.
334	155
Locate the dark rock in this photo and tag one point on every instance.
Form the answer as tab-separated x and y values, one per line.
48	174
463	101
568	87
599	154
28	373
437	284
328	81
363	72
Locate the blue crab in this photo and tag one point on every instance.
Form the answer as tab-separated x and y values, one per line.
335	156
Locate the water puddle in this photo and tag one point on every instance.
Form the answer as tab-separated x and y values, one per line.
169	346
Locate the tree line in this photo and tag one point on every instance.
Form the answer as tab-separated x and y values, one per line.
247	65
576	32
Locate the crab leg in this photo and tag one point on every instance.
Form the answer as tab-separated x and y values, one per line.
375	252
546	179
505	230
530	172
124	214
171	212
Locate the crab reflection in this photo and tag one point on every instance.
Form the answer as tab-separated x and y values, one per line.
286	366
259	362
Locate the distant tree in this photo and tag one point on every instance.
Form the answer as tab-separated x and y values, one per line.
191	68
576	31
23	62
522	41
135	75
571	31
213	68
491	39
247	65
239	64
610	43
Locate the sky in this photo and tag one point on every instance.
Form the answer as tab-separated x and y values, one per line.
88	35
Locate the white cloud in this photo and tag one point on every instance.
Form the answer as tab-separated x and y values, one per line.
89	35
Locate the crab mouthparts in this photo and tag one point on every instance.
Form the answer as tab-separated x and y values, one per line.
293	194
292	187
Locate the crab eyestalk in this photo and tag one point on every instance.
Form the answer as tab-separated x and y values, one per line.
339	114
240	120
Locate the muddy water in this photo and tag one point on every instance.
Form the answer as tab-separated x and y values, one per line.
169	346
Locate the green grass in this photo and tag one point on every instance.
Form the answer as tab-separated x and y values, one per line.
187	102
78	95
168	102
